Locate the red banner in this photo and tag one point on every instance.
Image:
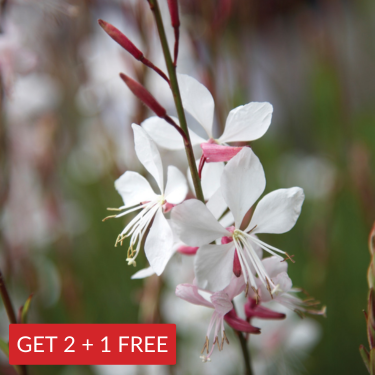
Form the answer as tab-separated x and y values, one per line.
92	344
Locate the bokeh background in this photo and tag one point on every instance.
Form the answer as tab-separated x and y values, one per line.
65	137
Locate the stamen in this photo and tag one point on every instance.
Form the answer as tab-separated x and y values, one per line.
109	217
225	337
288	257
206	345
113	209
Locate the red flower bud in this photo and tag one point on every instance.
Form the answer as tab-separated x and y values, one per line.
239	324
121	39
254	310
142	94
173	10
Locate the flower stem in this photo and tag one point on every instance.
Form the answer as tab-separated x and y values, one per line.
245	353
177	98
22	370
7	302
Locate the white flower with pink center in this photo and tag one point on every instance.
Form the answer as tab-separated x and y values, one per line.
242	183
138	194
244	123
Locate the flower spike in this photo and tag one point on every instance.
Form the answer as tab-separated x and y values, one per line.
125	43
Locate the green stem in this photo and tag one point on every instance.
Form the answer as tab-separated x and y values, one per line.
177	98
245	353
7	302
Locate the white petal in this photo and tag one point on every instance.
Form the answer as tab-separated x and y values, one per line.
197	100
242	183
277	212
227	220
176	188
141	274
191	294
216	204
213	266
148	154
283	281
165	135
195	225
247	122
159	243
211	175
273	266
134	189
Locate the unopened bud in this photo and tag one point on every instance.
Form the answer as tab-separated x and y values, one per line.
121	39
173	10
371	240
142	94
237	270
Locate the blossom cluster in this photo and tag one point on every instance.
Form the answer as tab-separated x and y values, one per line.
221	232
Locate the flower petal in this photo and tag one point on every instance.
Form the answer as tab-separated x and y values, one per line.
159	243
134	189
165	135
195	225
273	266
141	274
216	204
190	293
213	266
236	287
211	175
197	100
242	183
177	188
148	154
247	122
277	212
221	302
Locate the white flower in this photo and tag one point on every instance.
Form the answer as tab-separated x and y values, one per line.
244	123
242	183
138	195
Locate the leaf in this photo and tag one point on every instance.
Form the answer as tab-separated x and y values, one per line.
365	356
372	362
25	309
4	347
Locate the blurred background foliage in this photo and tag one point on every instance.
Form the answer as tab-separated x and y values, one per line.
65	137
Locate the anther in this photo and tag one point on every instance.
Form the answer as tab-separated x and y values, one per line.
109	217
288	257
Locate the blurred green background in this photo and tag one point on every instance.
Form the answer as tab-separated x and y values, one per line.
65	137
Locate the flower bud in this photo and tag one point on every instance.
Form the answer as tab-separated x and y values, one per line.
142	94
254	310
121	39
239	324
173	10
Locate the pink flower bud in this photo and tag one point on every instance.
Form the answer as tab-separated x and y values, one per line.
239	324
173	10
121	39
254	310
142	94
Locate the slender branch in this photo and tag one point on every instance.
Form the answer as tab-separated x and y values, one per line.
22	370
7	302
177	98
245	353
